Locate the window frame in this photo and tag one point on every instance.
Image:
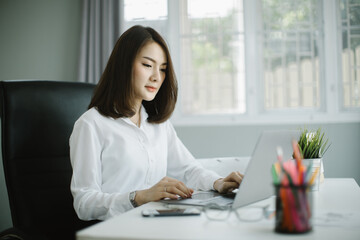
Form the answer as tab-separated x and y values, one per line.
330	110
339	30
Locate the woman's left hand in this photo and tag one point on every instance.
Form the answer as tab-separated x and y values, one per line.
229	183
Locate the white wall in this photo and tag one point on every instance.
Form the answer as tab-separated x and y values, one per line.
39	39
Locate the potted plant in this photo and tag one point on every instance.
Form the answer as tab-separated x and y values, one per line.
313	145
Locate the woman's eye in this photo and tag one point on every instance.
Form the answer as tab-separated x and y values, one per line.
146	65
163	70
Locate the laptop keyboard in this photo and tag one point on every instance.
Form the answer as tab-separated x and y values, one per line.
204	198
221	201
204	195
213	197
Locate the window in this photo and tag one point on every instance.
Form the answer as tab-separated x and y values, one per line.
245	60
212	57
152	13
291	54
350	52
212	50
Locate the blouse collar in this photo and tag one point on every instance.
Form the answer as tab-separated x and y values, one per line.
143	121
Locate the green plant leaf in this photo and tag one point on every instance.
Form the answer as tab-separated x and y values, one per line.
314	147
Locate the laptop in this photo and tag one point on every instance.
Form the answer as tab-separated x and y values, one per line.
257	182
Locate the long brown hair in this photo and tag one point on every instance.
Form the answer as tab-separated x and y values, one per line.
114	94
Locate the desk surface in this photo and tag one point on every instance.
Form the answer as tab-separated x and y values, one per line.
338	196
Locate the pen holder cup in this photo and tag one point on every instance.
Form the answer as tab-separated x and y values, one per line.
315	166
293	209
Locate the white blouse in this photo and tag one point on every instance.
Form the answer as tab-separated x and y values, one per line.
113	157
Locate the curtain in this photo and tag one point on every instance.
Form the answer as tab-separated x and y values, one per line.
100	31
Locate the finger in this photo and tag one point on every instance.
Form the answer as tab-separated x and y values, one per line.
239	174
170	188
180	189
234	177
161	194
185	189
174	190
187	193
236	174
169	195
168	181
229	185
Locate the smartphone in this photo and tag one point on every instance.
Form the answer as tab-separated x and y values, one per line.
170	212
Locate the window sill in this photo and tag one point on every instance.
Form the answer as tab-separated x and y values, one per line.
265	119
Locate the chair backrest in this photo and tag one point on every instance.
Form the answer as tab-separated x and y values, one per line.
37	118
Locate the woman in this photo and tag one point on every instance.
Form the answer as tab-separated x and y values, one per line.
123	150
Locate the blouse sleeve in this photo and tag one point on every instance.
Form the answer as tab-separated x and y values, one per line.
85	155
183	166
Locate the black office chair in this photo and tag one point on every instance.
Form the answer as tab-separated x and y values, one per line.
37	118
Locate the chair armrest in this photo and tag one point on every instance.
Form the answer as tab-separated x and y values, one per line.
12	234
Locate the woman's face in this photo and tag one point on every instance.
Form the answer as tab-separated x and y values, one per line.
149	71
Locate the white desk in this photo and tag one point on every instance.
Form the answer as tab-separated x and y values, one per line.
335	196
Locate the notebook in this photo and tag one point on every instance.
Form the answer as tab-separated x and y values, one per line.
257	182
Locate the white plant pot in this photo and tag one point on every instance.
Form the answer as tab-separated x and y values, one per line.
316	163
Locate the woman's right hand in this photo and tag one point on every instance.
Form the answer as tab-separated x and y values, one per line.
165	188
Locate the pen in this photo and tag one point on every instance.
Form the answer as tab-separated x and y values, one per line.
275	175
313	176
278	166
308	171
279	152
297	157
